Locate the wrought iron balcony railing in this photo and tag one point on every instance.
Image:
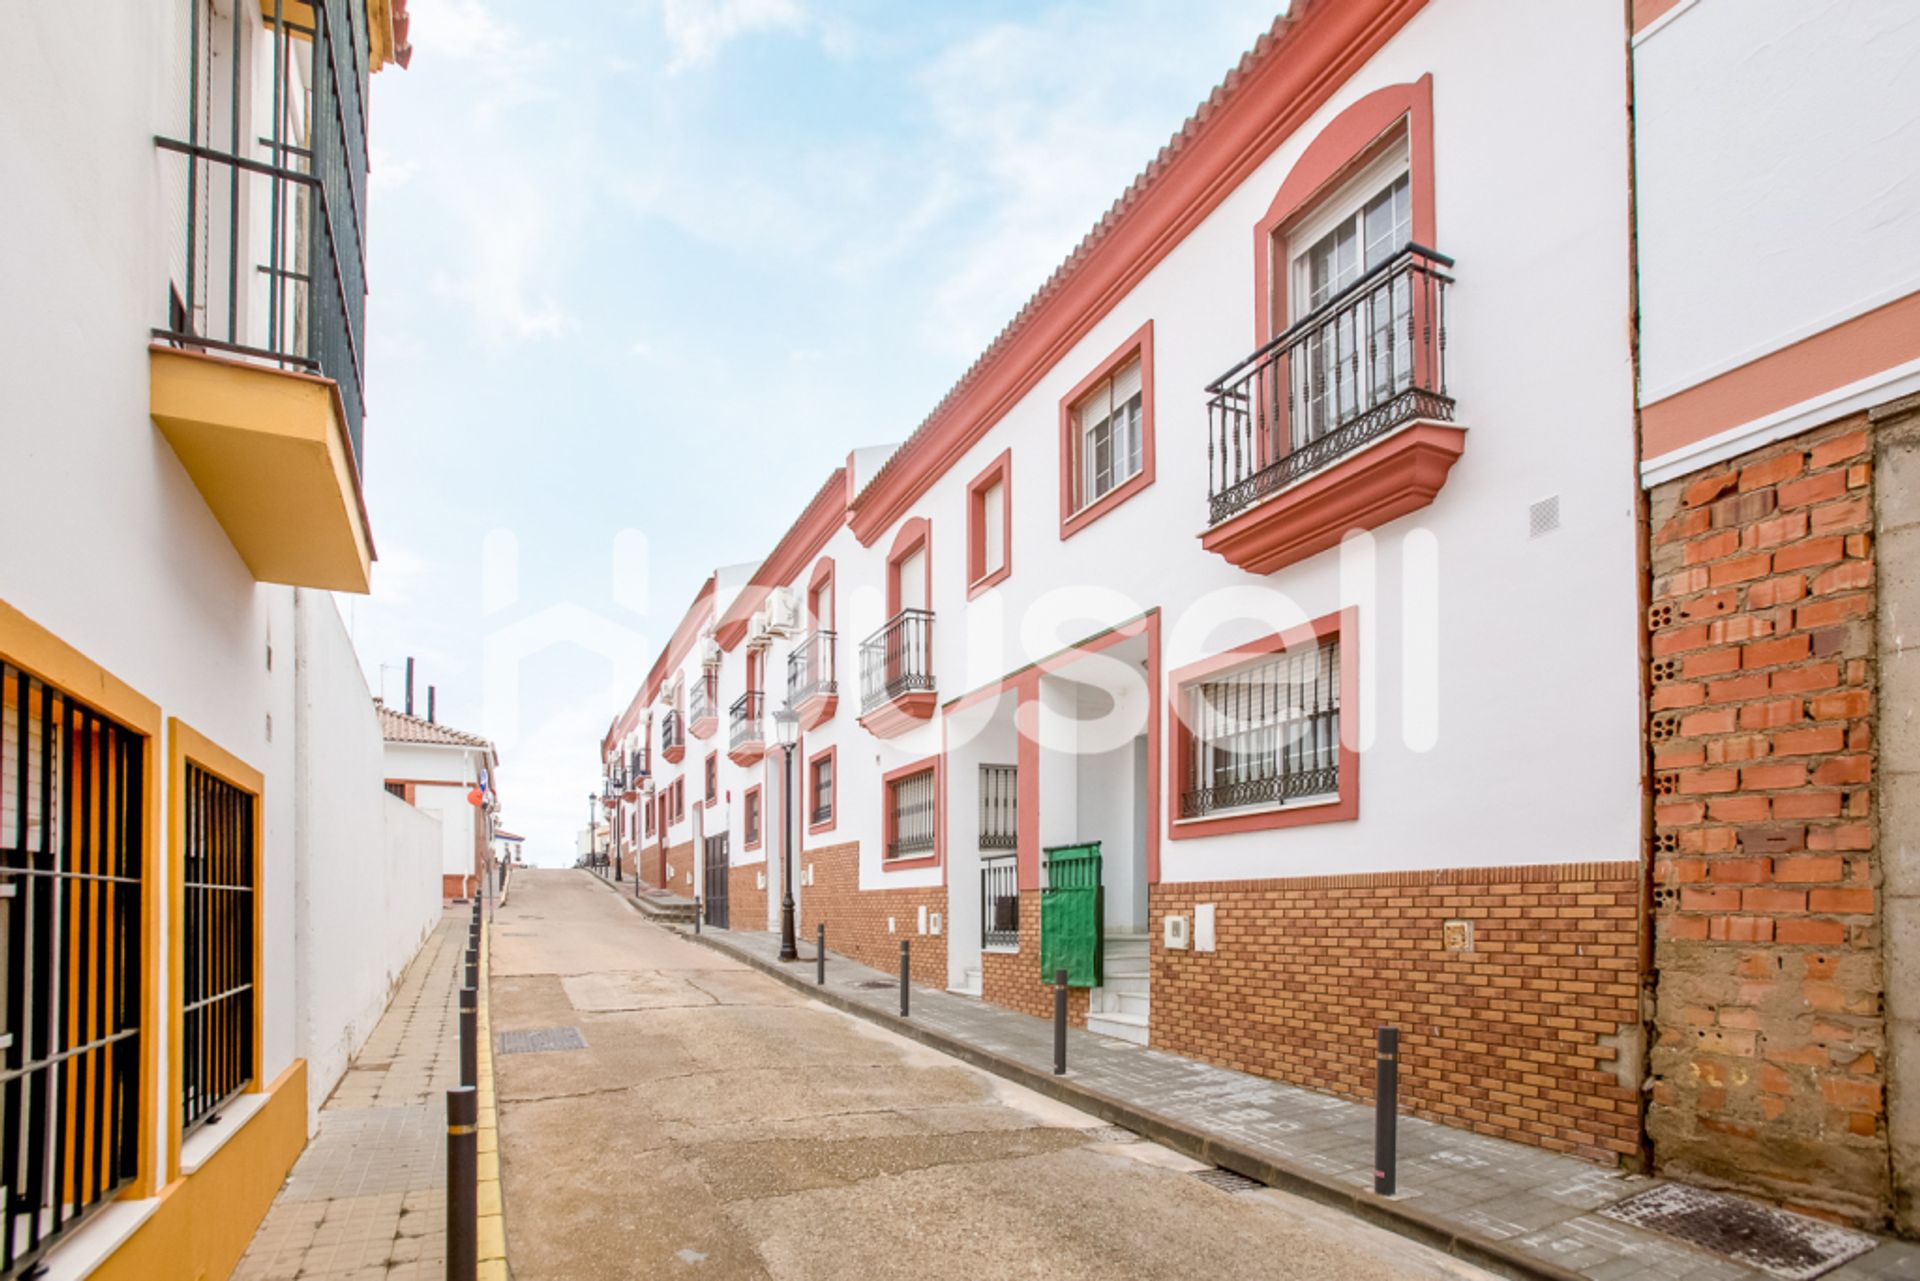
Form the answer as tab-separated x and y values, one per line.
269	262
1367	360
897	659
700	699
642	763
810	668
672	733
748	721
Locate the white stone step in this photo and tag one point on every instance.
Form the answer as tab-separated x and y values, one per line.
969	984
1137	984
1126	1027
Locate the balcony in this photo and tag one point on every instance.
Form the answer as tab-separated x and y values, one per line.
896	674
747	735
1342	422
812	689
703	712
673	738
256	374
642	763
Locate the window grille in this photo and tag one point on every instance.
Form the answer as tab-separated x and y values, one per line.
71	947
217	946
823	790
752	821
910	815
999	807
1266	733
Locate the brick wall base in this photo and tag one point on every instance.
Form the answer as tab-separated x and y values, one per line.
1769	1059
746	900
1013	979
677	860
454	886
1533	1035
856	920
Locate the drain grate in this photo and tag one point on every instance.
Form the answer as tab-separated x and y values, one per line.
1111	1134
878	985
541	1040
1789	1246
1227	1180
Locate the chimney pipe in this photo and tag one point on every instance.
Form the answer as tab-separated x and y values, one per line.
430	716
409	685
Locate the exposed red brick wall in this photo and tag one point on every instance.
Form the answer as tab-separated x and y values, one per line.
1768	1062
1520	1037
857	921
1013	979
746	901
453	886
680	858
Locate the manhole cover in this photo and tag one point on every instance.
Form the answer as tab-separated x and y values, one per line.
541	1040
1227	1180
1112	1134
1790	1246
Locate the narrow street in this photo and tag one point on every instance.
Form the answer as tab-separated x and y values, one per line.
717	1124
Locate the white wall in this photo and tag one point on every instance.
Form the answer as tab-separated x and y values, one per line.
369	863
1778	166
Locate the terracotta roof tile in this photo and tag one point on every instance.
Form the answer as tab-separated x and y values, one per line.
398	727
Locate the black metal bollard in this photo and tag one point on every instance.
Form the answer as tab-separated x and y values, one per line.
473	968
1386	1110
469	1037
463	1184
820	955
696	914
1059	1022
905	970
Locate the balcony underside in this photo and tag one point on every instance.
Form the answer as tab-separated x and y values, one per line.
675	754
817	709
703	727
899	714
269	453
1394	475
748	753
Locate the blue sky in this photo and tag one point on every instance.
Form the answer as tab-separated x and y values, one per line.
638	263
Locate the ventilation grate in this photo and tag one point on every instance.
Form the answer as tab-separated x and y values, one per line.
1543	517
541	1040
1789	1246
1227	1180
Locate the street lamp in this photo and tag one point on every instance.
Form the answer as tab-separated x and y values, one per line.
593	823
786	732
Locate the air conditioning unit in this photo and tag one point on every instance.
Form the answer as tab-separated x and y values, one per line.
757	632
783	612
710	653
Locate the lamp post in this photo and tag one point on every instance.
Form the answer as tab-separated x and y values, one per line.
786	729
593	823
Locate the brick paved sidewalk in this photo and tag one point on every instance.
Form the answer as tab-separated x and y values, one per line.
1532	1209
367	1199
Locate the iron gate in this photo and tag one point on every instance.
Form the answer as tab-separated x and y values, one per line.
716	882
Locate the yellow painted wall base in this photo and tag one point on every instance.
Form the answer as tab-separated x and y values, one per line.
205	1220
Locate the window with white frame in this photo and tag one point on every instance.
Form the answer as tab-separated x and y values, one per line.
1265	733
1357	353
1108	433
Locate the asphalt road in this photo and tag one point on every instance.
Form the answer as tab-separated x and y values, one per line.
718	1125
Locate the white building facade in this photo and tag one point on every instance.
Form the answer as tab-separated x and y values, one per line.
1333	654
192	818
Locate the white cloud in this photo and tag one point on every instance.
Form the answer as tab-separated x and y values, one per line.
699	29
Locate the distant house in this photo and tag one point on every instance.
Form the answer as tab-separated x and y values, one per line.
449	773
508	846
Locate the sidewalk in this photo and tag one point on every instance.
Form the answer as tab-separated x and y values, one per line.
1513	1209
367	1199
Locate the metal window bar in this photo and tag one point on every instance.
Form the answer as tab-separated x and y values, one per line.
1000	903
999	807
747	720
810	667
910	817
1265	734
217	940
642	763
71	943
700	698
897	659
751	823
672	733
273	261
823	790
397	789
1367	360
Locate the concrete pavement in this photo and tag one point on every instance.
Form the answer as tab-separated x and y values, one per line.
718	1124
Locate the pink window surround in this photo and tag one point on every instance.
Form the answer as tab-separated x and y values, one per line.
822	577
979	577
1074	517
1348	142
1343	624
831	757
753	819
915	533
931	765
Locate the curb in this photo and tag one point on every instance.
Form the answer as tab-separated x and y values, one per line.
493	1223
1496	1257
